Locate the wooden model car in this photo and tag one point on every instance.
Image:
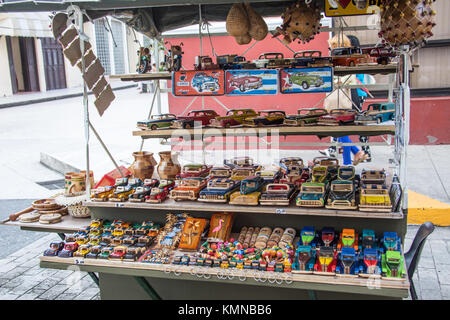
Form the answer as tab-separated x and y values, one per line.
370	263
219	190
338	117
392	265
328	237
194	117
102	193
68	250
264	59
266	118
82	251
342	193
188	189
348	238
376	113
305	117
133	254
277	194
305	258
219	172
240	173
375	197
142	192
233	117
244	81
225	60
310	58
373	176
320	174
118	253
350	57
104	254
204	63
311	195
121	194
241	162
270	174
249	192
348	262
390	242
157	121
326	260
383	55
331	163
94	252
160	193
54	249
194	170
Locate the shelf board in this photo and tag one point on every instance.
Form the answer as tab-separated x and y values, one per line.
366	69
359	285
143	76
172	205
68	224
335	131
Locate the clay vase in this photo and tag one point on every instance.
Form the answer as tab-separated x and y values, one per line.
168	169
77	183
143	165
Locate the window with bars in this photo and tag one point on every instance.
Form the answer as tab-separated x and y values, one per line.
118	48
102	45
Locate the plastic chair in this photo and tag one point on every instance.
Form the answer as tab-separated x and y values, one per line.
412	257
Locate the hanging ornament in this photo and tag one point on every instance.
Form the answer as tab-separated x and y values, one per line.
406	22
301	21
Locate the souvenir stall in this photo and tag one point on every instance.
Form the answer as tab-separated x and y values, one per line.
299	230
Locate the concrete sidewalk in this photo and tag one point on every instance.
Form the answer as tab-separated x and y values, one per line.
21	278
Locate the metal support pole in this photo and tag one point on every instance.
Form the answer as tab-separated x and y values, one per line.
148	288
156	55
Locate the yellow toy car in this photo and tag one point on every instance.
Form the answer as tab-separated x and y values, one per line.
82	251
102	193
122	193
375	197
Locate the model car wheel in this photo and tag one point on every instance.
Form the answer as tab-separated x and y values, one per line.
351	64
378	120
154	127
305	85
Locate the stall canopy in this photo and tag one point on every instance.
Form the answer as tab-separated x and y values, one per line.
150	17
25	24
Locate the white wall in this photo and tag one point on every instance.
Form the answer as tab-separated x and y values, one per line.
5	80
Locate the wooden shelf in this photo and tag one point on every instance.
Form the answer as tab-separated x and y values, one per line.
335	131
172	205
382	287
366	69
143	77
68	224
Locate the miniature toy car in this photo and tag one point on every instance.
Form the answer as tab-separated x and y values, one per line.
383	55
342	195
392	265
94	251
94	240
305	80
311	195
305	258
320	174
194	170
376	113
219	190
277	194
102	193
241	173
121	194
160	193
204	63
188	189
328	237
369	239
294	172
375	197
326	260
350	57
237	63
241	162
391	242
118	253
270	174
219	172
331	163
132	254
68	250
129	241
266	118
204	82
310	58
233	117
144	241
264	59
157	121
338	117
305	117
194	117
104	254
348	262
54	249
373	176
82	239
224	60
82	251
371	263
142	192
244	81
250	191
348	238
308	237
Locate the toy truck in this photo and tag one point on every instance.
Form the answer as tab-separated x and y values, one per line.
392	265
188	189
376	113
277	194
348	262
219	190
249	193
375	197
305	117
311	195
204	63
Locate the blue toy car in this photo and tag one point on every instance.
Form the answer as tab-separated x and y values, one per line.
308	237
55	248
368	239
370	262
305	258
328	237
201	81
348	262
219	190
251	184
391	242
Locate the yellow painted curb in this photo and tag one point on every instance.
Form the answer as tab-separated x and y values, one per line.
422	208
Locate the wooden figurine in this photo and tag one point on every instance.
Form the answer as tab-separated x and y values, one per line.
192	232
220	227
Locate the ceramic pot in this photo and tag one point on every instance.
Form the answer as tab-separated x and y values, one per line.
168	167
77	183
143	165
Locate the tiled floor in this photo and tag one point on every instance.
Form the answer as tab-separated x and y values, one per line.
21	278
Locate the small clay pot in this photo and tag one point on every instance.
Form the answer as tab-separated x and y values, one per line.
168	169
143	165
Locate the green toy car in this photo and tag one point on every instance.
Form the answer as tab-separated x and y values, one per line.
392	265
305	80
157	121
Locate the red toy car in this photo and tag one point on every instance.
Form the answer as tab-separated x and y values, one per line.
382	54
234	117
204	63
159	194
244	81
326	260
118	253
338	117
68	250
194	170
187	122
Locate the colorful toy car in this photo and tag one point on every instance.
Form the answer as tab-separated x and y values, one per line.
204	82
224	60
160	193
250	191
144	241
219	172
331	163
188	189
219	190
294	171
326	260
94	251
375	197
82	251
320	174
233	117
104	254
311	195
143	191
305	117
305	258
54	249
244	81
266	118
277	194
370	264
264	59
342	195
129	241
102	193
338	117
348	262
82	239
132	254
237	63
204	63
305	80
241	173
350	57
121	193
348	239
308	237
194	117
328	237
157	121
392	265
270	174
194	170
391	242
68	250
118	253
383	55
376	113
368	239
310	58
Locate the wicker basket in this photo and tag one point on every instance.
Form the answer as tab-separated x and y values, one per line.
74	204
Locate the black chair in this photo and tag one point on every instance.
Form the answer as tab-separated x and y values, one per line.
412	257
